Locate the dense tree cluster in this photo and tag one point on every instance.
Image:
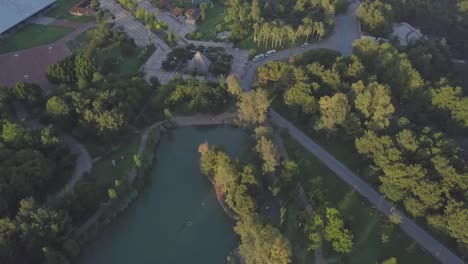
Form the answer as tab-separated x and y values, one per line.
32	164
30	161
91	99
440	19
278	24
370	98
237	183
36	235
261	242
376	18
253	107
191	95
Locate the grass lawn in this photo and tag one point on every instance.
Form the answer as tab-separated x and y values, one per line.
214	17
124	66
79	41
295	234
62	8
365	222
186	3
31	36
105	173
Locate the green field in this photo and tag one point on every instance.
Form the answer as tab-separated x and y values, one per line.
105	173
187	3
214	21
124	66
31	36
62	8
366	223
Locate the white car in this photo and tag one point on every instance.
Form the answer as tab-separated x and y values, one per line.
305	45
259	57
270	53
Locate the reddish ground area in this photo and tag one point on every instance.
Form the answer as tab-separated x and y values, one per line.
30	65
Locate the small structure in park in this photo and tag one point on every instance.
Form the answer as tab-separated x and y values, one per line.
406	33
199	64
83	8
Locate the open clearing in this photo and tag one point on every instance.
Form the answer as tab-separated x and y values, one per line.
33	35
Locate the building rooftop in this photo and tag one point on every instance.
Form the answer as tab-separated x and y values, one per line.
406	33
12	12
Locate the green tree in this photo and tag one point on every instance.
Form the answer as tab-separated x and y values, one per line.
57	107
314	229
335	232
203	7
85	67
374	102
290	172
377	18
255	12
269	153
262	243
333	111
233	86
390	261
253	107
300	96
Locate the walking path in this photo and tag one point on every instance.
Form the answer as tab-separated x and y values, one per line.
83	163
419	235
199	120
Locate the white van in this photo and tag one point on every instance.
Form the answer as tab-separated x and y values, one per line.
259	57
270	53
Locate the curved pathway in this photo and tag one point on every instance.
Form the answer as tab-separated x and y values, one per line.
83	163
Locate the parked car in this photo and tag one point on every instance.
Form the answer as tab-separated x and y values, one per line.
259	57
270	53
305	45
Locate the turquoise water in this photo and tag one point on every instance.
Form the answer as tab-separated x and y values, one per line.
176	219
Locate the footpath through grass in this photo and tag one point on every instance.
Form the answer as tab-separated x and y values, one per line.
33	35
62	11
375	239
105	173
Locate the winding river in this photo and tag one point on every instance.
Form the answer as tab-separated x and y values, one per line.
177	218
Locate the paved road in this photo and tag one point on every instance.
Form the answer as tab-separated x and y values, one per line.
416	233
346	32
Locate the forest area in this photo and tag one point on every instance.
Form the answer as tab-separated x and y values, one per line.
403	124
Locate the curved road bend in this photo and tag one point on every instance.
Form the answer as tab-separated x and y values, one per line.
346	32
425	240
